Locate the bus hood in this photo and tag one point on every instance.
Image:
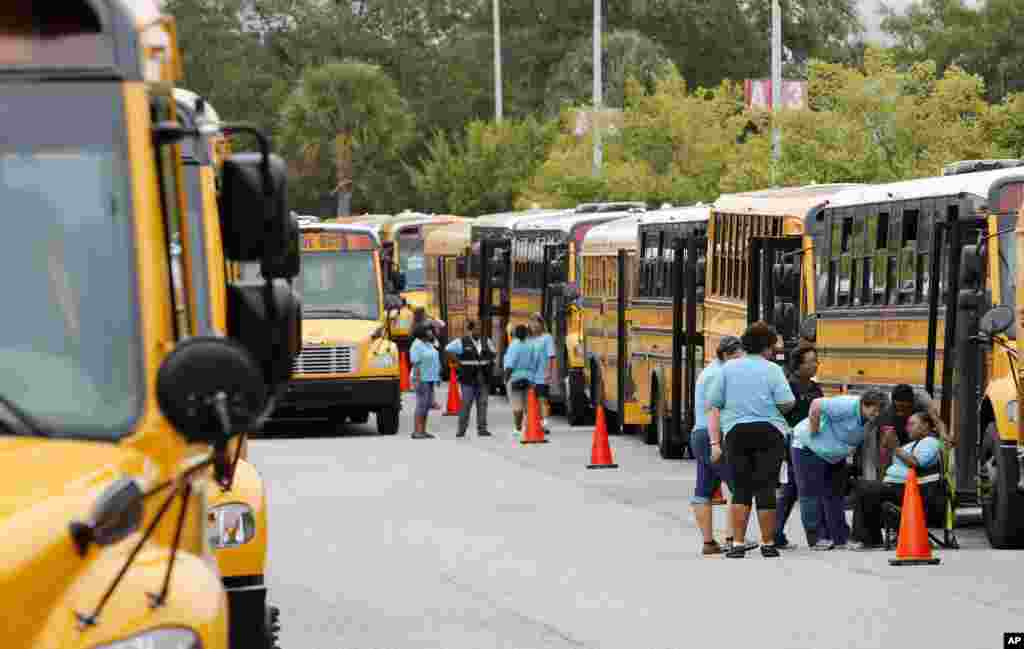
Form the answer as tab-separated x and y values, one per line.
44	485
337	332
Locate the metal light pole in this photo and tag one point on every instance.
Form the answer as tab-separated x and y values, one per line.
595	125
497	62
776	83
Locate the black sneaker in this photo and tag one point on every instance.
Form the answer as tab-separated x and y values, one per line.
484	433
460	434
736	552
422	436
769	551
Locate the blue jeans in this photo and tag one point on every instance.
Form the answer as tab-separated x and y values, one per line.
788	496
822	485
709	476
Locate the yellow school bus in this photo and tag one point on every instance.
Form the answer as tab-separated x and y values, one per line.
630	320
237	506
446	254
881	315
110	410
402	239
492	234
349	364
545	263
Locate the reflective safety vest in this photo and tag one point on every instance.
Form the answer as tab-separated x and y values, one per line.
475	368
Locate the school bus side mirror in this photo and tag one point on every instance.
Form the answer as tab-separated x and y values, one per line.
971	266
996	321
115	516
256	224
267	321
210	389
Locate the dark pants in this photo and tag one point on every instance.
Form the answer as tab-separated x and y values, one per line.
473	393
870	495
822	485
788	496
754	452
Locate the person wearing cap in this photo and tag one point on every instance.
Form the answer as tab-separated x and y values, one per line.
709	475
803	366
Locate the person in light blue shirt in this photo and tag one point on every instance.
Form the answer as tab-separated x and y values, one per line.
709	476
544	365
426	374
519	366
751	394
821	445
923	454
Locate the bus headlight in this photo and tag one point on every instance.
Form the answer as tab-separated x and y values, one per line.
230	525
1011	411
165	638
382	361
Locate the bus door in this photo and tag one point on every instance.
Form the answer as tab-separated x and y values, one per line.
688	277
555	310
495	275
775	281
963	292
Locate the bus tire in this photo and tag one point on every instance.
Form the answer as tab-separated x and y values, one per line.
359	416
273	627
576	407
387	421
1004	513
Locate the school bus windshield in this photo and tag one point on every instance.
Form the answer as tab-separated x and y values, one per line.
339	285
411	257
70	323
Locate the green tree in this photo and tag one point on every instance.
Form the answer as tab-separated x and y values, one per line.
625	55
484	170
343	121
983	39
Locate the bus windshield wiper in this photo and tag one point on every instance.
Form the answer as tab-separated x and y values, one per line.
18	422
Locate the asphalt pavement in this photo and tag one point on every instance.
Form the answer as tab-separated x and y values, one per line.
478	543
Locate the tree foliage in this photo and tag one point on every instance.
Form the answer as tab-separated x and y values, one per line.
346	120
876	123
983	39
485	170
625	55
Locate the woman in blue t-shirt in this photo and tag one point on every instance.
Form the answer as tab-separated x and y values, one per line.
751	394
834	428
923	454
426	374
519	367
544	365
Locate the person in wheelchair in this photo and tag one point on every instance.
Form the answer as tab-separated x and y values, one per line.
923	453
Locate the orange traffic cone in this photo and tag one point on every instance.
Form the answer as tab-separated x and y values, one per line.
913	548
403	372
454	396
601	453
534	429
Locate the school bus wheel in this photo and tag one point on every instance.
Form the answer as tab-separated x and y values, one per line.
577	409
1003	514
359	416
387	421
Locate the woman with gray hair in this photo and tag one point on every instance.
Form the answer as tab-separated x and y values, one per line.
821	445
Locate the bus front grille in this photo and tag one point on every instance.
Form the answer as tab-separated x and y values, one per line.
325	360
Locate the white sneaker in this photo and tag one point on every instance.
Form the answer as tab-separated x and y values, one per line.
825	546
